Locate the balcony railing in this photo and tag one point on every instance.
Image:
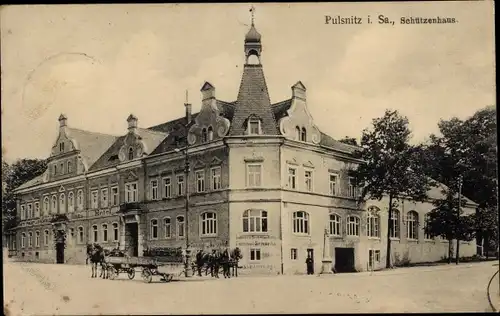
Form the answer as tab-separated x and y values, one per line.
130	206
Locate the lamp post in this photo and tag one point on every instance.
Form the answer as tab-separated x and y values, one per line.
458	217
186	186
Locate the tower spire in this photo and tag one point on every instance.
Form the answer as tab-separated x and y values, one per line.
252	10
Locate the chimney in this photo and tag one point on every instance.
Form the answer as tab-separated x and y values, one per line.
63	121
132	123
207	91
299	91
188	107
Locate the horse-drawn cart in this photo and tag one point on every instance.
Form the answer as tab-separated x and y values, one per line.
155	263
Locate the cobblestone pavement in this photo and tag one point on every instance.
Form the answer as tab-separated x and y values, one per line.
68	289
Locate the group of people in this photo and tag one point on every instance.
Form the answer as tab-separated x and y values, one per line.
212	262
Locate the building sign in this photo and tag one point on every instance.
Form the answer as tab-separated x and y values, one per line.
210	244
38	221
103	212
255	240
78	215
259	266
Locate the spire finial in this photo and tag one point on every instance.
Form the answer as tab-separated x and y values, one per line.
252	10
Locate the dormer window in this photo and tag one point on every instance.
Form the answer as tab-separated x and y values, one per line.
55	169
204	135
61	146
130	153
253	126
210	133
303	134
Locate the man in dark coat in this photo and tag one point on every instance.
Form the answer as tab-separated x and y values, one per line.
199	261
309	264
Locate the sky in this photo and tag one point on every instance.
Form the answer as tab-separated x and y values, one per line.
99	63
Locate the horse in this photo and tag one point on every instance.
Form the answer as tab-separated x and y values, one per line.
97	254
235	257
225	261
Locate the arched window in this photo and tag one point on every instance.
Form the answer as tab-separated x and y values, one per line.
373	222
115	232
81	235
394	233
95	233
79	200
352	224
297	133
130	153
427	234
104	232
23	212
204	135
254	221
69	167
46	206
167	227
71	202
412	225
154	229
37	209
54	205
37	239
180	226
301	223
23	240
208	224
335	225
62	203
46	237
210	133
30	239
303	134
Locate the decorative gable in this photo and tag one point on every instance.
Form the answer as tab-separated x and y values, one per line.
308	164
198	165
215	161
131	176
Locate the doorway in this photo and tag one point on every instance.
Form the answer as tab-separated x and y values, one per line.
131	239
60	252
310	254
344	260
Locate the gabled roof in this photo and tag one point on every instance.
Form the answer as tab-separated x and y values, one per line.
253	99
91	144
30	183
435	193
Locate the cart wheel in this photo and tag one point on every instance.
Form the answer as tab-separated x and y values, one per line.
146	275
131	273
112	273
170	277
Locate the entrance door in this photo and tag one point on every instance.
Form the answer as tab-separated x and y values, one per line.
131	239
344	260
60	252
310	254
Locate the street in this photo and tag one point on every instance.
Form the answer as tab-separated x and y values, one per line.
68	289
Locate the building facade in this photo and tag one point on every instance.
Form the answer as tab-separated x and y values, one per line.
262	177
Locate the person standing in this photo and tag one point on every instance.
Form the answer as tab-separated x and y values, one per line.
309	264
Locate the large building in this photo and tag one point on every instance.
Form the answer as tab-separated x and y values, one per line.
262	177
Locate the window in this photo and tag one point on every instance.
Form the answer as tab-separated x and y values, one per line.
308	175
427	235
372	222
115	232
23	212
254	173
81	235
351	189
54	204
297	133
104	197
154	189
303	134
46	237
180	185
30	239
210	133
352	226
71	202
335	225
61	146
62	168
301	222
55	169
96	233
131	192
46	206
292	178
204	135
216	181
30	211
154	229
254	221
62	203
130	153
412	225
254	127
37	209
200	181
94	201
167	227
37	239
114	196
23	240
69	167
254	254
167	184
79	200
208	224
373	257
104	232
333	184
180	226
394	227
293	253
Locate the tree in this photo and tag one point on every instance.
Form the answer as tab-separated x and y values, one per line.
349	140
392	168
13	176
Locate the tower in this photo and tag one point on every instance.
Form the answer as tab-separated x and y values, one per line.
253	46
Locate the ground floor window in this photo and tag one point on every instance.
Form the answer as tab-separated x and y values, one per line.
115	231
254	254
46	237
373	257
293	253
96	233
80	235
